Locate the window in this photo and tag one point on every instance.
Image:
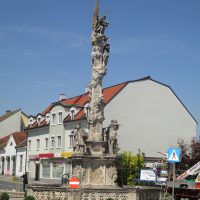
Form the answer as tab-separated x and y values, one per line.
53	118
8	163
72	114
38	144
20	163
71	139
47	118
60	118
59	141
39	120
52	142
46	168
87	109
58	167
46	143
29	144
31	121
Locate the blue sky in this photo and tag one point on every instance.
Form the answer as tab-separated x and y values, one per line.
45	48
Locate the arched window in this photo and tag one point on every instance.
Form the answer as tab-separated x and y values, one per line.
31	120
39	119
72	112
87	109
47	117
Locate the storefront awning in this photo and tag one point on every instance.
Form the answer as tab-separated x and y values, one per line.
66	154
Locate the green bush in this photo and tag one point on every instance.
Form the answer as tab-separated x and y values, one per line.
4	196
30	198
109	199
25	194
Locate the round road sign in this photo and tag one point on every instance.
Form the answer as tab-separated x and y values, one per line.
74	182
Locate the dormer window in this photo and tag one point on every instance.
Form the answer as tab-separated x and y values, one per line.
31	121
87	109
72	112
53	118
60	118
39	120
47	118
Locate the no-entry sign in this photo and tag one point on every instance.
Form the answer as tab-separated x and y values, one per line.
74	182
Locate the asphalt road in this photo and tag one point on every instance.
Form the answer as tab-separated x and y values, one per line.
8	185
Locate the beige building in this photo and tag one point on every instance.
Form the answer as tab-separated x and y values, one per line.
12	121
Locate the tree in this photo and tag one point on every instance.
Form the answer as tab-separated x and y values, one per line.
194	151
190	154
185	158
129	167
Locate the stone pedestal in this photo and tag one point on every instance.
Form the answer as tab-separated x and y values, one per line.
96	148
95	170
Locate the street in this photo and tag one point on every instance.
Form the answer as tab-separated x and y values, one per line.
7	184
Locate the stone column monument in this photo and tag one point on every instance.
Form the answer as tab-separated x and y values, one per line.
94	161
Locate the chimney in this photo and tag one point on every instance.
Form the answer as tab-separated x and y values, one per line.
87	89
7	111
62	96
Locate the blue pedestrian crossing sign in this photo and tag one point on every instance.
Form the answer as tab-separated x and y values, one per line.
174	155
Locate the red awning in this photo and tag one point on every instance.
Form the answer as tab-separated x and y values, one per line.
46	155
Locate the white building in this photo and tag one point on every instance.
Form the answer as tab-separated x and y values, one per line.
13	154
151	115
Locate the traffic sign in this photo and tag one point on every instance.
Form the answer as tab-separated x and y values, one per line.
173	155
74	183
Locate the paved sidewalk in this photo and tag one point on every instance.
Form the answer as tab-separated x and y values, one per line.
41	181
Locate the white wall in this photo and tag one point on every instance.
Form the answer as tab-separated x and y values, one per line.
35	134
69	127
57	129
20	152
151	118
10	152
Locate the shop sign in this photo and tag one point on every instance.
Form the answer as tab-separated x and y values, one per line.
46	155
67	154
33	157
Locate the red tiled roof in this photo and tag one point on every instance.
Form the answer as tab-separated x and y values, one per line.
108	93
36	125
18	137
22	144
3	141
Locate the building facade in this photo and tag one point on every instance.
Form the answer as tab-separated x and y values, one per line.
13	154
151	116
12	121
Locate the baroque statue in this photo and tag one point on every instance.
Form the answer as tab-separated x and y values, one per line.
79	140
112	140
99	57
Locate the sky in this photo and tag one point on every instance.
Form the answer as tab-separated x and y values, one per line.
45	48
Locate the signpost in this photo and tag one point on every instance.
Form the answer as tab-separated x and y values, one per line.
173	156
74	183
